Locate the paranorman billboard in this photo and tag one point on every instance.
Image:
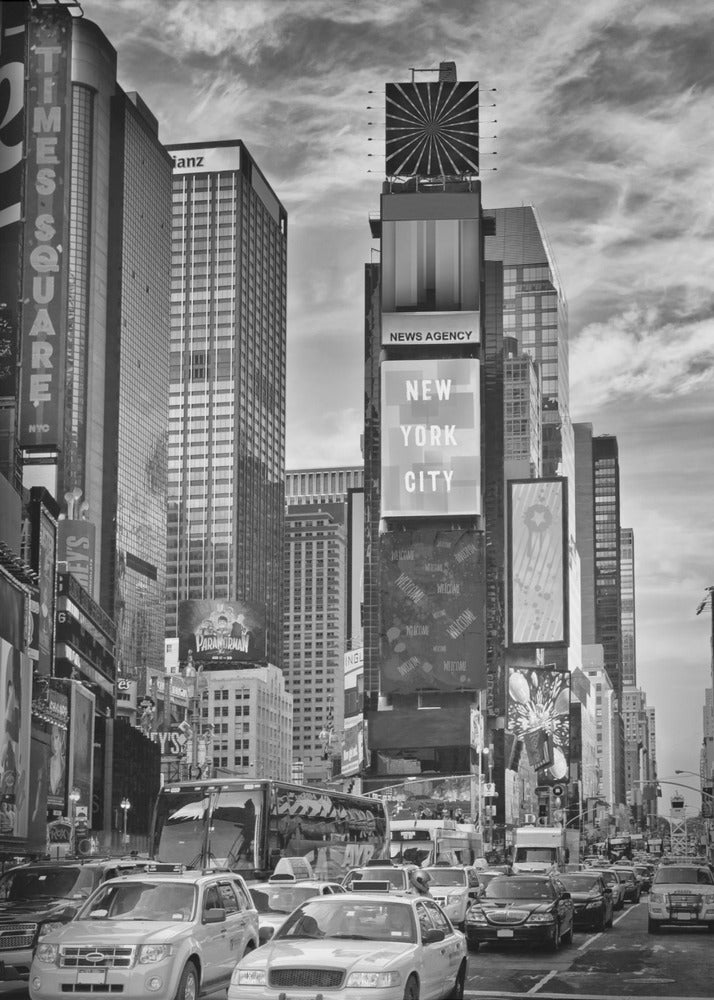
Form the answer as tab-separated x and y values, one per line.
221	633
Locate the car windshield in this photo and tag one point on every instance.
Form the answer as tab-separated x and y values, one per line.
141	901
446	876
580	883
395	876
626	875
684	876
361	920
62	882
281	898
609	876
512	887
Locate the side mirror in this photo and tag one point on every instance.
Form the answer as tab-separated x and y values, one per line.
432	935
217	915
265	934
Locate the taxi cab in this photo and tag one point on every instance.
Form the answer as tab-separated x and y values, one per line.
352	946
382	876
291	883
165	933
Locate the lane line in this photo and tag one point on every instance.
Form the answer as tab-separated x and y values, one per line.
542	982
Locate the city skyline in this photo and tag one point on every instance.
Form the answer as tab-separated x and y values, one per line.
601	119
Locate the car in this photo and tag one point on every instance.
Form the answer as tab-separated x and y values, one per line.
627	875
484	877
592	899
645	873
454	888
682	895
356	945
276	900
397	877
611	878
166	933
39	897
536	909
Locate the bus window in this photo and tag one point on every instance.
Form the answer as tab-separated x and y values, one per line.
234	820
180	824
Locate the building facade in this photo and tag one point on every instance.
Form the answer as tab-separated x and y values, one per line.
226	446
627	607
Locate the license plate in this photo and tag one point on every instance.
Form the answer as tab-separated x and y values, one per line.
90	978
504	933
684	916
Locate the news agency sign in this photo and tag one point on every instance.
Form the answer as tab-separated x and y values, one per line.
430	329
44	265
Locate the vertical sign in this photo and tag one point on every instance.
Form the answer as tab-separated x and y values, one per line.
15	701
539	715
538	564
44	265
81	743
12	99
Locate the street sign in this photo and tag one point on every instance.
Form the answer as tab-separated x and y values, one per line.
489	790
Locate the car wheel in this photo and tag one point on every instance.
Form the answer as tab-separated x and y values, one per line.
602	923
188	984
555	940
411	990
568	937
472	945
653	926
457	992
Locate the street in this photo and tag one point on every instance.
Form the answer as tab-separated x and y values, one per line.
625	961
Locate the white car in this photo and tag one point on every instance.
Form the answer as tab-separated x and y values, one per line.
276	900
454	888
160	934
380	946
682	895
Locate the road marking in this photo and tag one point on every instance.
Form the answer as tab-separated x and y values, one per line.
543	981
504	995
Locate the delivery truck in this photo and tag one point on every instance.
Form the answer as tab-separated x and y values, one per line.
538	849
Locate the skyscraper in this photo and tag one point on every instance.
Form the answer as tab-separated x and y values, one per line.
606	483
227	385
627	606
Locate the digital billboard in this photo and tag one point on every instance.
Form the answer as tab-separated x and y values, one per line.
539	716
538	562
433	600
45	239
15	706
81	743
431	438
219	633
432	129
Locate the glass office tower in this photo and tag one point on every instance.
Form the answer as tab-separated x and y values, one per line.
227	384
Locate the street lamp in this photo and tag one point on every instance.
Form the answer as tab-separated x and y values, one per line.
125	805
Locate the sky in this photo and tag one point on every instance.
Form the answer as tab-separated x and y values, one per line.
602	121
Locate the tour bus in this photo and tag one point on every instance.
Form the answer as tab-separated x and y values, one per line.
431	841
249	825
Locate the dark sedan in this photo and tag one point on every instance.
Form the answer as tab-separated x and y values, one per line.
536	909
592	899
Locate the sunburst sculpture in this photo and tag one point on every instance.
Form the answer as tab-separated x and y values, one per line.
431	129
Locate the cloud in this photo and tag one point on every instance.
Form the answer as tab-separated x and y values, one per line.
636	355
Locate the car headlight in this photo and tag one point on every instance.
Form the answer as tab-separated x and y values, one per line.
455	897
51	925
593	904
249	977
153	953
372	980
47	953
657	897
540	918
475	916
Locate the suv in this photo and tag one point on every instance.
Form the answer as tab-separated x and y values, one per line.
681	894
38	897
165	933
454	888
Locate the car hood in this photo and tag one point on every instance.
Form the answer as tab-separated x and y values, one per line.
92	932
330	952
36	910
526	905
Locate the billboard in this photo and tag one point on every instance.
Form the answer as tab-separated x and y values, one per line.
204	159
539	716
76	545
432	129
220	634
58	705
15	703
430	329
538	562
12	124
433	610
45	264
81	743
431	438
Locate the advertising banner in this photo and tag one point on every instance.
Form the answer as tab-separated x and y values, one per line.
430	329
76	544
220	634
81	744
12	124
432	129
539	716
47	562
353	746
538	564
58	704
431	438
204	159
45	266
15	707
433	599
